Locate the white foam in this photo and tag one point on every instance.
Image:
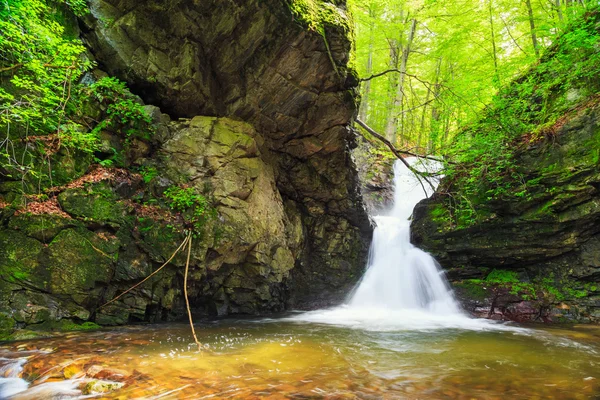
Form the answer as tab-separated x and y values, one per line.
403	287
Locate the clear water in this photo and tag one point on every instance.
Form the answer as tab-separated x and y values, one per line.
401	335
283	359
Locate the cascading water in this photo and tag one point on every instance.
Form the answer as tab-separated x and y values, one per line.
401	276
403	287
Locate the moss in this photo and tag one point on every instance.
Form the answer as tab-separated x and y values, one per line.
19	258
23	334
7	325
96	202
440	215
318	14
502	277
65	325
473	289
41	227
78	260
67	165
159	240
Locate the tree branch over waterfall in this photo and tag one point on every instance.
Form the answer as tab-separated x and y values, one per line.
398	153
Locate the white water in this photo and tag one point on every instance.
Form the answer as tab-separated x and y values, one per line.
12	386
10	383
403	287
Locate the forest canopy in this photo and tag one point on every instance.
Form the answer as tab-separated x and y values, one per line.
431	67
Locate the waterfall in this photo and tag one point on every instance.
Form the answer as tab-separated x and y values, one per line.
399	275
403	287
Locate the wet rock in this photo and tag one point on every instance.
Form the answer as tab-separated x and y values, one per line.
290	227
550	239
107	374
101	387
272	73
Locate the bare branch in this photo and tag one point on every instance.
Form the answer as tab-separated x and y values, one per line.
380	74
418	174
405	152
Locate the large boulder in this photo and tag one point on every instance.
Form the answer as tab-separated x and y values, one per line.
545	245
250	106
280	66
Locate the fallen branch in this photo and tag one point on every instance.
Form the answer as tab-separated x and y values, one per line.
405	152
185	241
187	300
398	154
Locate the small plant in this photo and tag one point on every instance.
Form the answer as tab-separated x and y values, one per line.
195	207
123	113
148	173
73	136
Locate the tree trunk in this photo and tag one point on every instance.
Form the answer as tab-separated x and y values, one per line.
435	112
532	26
559	11
423	118
494	50
393	79
392	122
364	105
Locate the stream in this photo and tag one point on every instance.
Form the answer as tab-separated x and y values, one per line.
400	335
285	359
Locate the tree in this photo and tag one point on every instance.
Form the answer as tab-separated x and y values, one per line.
397	104
437	64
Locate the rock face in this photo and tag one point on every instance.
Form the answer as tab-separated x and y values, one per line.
545	249
376	175
255	103
258	62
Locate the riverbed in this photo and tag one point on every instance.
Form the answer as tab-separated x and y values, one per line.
279	359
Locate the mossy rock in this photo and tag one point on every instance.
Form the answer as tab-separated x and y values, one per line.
24	334
20	259
96	203
64	325
7	326
68	165
472	289
12	192
159	241
79	259
43	227
319	15
99	387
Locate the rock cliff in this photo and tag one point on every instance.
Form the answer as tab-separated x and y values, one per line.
518	230
546	247
251	105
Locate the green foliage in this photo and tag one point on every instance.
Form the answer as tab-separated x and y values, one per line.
123	113
148	173
40	64
461	54
195	208
510	280
522	112
501	276
76	137
545	288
